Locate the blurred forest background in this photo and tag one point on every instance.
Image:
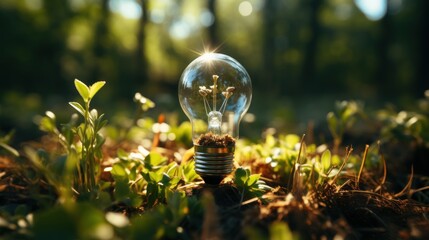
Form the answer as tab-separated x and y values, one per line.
302	55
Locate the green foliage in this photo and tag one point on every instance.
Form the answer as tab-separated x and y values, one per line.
183	133
148	176
76	221
82	143
278	154
163	222
277	159
89	153
405	126
188	172
343	119
281	231
249	184
4	143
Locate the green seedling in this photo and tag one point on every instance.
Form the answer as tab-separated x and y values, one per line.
249	184
4	143
90	154
342	119
81	141
164	221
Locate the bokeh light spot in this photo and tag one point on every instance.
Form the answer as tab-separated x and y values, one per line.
245	8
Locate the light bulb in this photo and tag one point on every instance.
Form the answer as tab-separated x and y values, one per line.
215	92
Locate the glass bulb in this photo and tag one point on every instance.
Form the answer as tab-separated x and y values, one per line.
215	92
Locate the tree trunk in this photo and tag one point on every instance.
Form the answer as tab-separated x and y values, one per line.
141	56
101	42
308	78
422	77
385	83
269	73
212	30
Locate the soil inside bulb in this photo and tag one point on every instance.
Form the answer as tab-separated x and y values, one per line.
213	140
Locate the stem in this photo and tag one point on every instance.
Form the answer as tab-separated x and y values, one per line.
214	91
362	165
87	156
207	106
223	106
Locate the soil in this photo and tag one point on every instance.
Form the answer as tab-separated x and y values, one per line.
325	213
212	140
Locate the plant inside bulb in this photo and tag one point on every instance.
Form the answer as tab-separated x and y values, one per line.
214	115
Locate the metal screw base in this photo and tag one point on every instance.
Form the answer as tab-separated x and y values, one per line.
213	164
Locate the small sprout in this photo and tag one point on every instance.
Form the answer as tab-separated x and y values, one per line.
230	89
204	91
213	89
228	92
215	78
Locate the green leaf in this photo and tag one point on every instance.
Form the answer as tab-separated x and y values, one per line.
332	123
147	226
165	180
252	179
188	171
270	141
178	204
78	108
173	169
118	171
291	140
336	160
47	226
94	88
152	193
135	200
10	149
72	160
82	89
280	231
47	123
122	154
154	160
122	189
326	160
240	176
100	139
154	177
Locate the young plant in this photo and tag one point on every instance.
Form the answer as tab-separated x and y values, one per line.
166	221
273	158
342	119
82	143
90	155
4	143
214	114
148	175
249	184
